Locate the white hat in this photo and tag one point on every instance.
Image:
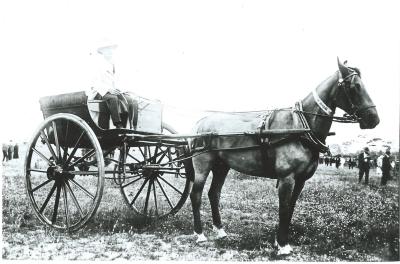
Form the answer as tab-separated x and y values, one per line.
105	44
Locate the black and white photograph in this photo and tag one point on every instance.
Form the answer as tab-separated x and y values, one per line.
235	131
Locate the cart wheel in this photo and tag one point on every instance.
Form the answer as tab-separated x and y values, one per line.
63	196
156	183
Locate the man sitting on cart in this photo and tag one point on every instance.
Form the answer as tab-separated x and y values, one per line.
120	104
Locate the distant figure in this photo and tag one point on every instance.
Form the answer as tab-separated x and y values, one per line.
354	163
16	156
10	150
379	165
386	167
5	152
350	164
326	160
364	164
337	162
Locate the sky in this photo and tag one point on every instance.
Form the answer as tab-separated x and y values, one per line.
199	55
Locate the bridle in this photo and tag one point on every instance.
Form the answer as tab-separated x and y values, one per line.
346	84
352	116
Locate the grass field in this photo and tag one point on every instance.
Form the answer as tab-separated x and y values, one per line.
336	219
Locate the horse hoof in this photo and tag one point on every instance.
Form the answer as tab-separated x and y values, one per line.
200	238
220	232
285	250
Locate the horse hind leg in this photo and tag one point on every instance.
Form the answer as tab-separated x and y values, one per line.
220	170
285	190
202	165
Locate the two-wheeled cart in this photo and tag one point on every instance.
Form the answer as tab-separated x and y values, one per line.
73	151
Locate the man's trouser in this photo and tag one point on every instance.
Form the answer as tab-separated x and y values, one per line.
385	176
361	173
117	107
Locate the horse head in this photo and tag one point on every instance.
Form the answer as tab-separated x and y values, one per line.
353	98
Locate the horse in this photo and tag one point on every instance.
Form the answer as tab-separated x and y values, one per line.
291	159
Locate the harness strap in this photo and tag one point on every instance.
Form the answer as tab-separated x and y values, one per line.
265	145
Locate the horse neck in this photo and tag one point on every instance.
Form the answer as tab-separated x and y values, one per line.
326	91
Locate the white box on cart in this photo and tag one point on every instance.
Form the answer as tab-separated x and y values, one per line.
149	115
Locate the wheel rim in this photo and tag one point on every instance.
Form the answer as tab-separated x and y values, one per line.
162	186
63	189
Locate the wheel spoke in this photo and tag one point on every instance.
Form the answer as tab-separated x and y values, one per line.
54	218
40	186
138	193
46	140
75	147
83	189
173	187
74	199
166	196
65	206
65	149
147	155
147	196
56	140
163	155
123	186
41	155
65	155
155	197
143	154
66	133
154	157
134	158
48	198
36	170
87	155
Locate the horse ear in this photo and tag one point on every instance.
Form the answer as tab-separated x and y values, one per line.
343	69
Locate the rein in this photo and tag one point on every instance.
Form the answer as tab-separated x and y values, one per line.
339	119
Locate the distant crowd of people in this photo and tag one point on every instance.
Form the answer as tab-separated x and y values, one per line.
337	161
383	163
10	151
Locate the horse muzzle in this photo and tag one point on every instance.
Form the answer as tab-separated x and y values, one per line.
369	118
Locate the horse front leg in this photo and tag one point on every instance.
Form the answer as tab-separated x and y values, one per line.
298	187
285	190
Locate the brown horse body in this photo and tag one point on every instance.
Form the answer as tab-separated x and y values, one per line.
293	160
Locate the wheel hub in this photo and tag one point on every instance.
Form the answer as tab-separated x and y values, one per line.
57	173
150	173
